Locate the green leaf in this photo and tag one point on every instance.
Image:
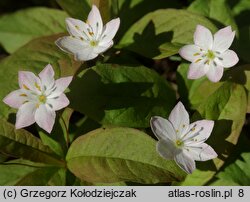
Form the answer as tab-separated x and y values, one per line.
227	106
25	173
22	144
18	28
120	95
215	9
236	174
33	57
170	29
119	154
242	5
76	8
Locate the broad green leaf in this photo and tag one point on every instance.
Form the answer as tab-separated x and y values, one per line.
22	144
120	95
192	91
76	8
18	28
236	174
33	57
169	29
215	9
59	178
25	173
133	10
227	106
119	154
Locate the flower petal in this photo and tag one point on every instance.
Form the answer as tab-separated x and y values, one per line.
110	30
47	76
199	131
166	149
203	37
185	162
190	52
28	80
223	39
201	152
162	128
58	103
179	118
71	45
15	99
61	85
95	21
86	55
45	118
228	59
215	72
103	48
197	70
74	27
25	115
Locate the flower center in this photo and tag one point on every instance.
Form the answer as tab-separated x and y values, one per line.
210	55
42	99
93	43
178	143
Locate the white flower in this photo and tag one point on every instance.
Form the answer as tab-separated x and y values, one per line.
88	40
182	141
210	54
38	98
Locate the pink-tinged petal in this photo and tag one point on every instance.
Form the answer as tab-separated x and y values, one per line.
71	45
25	115
199	131
45	118
203	37
185	162
15	99
223	39
28	80
166	149
190	52
179	119
58	103
100	49
110	30
61	85
201	152
47	76
215	72
77	28
228	59
86	55
95	21
197	70
162	128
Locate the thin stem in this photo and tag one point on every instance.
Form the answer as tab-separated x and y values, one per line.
67	132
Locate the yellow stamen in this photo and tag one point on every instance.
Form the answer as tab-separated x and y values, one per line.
91	33
23	95
198	60
25	87
193	129
37	86
37	105
196	54
77	27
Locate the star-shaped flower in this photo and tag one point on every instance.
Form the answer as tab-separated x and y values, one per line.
182	141
38	98
210	54
88	40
